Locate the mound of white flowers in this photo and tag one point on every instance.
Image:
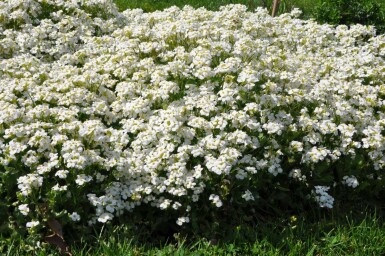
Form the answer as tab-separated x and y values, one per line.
164	108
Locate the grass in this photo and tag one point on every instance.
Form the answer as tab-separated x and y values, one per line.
352	235
301	238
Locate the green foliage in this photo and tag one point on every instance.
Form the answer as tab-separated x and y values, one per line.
366	12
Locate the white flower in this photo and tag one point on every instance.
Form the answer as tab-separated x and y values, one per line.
350	181
248	196
176	205
105	217
296	146
74	216
110	208
216	200
57	187
32	224
273	127
82	179
195	198
182	220
317	154
28	182
24	209
62	174
241	174
100	177
297	175
322	197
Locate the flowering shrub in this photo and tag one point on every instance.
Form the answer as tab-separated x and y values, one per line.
103	112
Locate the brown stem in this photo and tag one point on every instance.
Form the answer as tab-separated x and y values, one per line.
275	7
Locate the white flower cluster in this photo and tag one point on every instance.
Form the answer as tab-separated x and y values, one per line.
216	200
74	216
32	224
24	209
322	197
182	220
28	182
248	196
154	106
297	175
350	181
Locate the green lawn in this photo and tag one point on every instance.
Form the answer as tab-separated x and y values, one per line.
356	235
291	237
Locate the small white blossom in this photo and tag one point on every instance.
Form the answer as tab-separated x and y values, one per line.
296	146
32	224
57	187
248	196
24	209
216	200
62	174
74	216
82	179
323	198
350	181
182	220
105	217
297	175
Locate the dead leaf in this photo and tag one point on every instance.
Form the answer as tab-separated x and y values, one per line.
57	238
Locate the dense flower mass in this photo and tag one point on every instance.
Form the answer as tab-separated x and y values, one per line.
178	106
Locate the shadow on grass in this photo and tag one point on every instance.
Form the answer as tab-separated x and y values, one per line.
345	230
